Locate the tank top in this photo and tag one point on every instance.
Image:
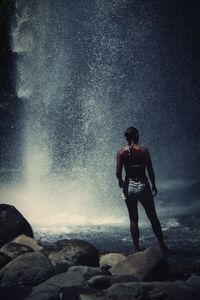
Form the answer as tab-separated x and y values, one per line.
134	168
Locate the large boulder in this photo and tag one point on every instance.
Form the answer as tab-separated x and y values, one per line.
12	224
148	264
67	253
27	270
111	259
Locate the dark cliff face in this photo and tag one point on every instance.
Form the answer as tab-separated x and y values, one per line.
10	104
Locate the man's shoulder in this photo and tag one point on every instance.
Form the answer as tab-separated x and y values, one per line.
122	151
144	149
139	148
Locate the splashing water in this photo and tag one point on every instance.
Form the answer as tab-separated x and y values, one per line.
84	76
68	167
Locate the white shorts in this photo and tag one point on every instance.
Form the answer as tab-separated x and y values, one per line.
138	189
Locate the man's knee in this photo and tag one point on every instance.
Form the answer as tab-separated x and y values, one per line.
151	213
134	219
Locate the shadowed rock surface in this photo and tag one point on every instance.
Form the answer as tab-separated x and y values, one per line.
67	253
146	291
74	278
26	270
14	293
4	259
12	224
50	289
100	281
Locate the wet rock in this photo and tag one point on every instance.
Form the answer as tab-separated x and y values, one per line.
143	265
66	280
4	259
27	270
44	292
13	249
28	241
87	272
67	253
111	259
75	278
50	289
122	291
100	281
145	291
12	224
176	291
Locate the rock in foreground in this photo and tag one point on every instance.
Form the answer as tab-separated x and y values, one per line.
111	259
75	277
146	291
27	241
144	265
32	275
26	270
12	224
67	253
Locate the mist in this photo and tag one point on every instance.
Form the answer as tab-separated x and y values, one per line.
87	70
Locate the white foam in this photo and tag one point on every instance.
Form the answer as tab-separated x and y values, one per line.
172	222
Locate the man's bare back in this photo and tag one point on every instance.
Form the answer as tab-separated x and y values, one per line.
135	159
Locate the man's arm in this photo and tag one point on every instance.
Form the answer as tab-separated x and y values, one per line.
151	172
119	167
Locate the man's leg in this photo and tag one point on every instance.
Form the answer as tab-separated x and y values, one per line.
133	215
150	210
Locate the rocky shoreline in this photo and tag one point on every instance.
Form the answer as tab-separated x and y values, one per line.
74	269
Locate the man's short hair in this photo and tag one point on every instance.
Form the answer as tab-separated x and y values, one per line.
132	133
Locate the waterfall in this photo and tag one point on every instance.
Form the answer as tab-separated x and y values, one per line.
65	80
87	70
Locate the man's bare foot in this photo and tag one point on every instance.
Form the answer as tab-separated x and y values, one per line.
136	250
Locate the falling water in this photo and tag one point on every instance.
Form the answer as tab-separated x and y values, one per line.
87	70
64	79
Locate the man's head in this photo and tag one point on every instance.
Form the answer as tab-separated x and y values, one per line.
132	134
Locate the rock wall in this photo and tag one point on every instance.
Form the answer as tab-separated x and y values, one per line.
11	107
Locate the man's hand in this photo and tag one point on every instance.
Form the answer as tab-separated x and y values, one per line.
121	183
154	190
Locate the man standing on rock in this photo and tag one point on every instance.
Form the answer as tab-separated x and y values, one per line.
135	160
